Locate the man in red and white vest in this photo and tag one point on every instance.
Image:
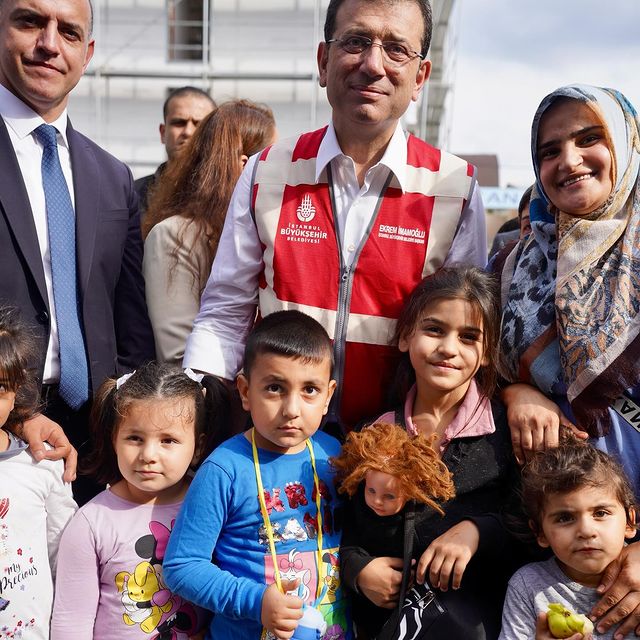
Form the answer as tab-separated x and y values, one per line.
342	223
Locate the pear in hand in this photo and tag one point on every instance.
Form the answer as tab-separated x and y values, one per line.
563	622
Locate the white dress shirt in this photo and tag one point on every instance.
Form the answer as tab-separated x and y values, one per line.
21	122
229	301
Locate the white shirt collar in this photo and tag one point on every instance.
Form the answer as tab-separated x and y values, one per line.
394	158
23	119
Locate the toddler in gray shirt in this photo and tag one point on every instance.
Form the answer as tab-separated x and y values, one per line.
581	505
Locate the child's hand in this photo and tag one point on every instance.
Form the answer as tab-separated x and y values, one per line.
448	555
380	581
280	613
543	633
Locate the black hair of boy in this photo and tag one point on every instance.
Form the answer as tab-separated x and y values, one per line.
291	334
569	467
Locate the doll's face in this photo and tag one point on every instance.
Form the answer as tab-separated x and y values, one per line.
382	493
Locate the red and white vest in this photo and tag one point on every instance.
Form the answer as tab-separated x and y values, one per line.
409	238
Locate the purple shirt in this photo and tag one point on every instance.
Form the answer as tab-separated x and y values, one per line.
109	583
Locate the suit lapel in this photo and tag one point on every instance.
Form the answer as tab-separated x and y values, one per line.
14	201
86	185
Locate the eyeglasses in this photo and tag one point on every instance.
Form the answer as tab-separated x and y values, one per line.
394	51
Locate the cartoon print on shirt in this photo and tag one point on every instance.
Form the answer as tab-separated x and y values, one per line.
295	566
153	546
143	597
146	599
331	578
301	565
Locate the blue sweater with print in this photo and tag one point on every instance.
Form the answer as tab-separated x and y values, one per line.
220	519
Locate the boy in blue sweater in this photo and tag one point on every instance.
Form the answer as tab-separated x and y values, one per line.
262	504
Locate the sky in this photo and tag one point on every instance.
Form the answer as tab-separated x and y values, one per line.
511	53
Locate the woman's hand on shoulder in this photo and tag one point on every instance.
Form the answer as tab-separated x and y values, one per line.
380	581
448	555
534	421
620	591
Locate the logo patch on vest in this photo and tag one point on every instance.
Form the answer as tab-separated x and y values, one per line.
306	212
403	234
307	233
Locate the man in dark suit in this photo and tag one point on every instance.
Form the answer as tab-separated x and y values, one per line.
70	246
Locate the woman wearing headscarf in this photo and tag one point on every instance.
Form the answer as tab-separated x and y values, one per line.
571	296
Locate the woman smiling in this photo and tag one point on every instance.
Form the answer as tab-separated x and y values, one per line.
571	293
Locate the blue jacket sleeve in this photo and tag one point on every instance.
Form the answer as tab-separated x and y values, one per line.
188	567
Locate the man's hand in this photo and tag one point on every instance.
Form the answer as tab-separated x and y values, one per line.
543	633
280	612
534	421
620	589
448	556
380	581
39	429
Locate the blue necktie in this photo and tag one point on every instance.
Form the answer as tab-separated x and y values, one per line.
61	221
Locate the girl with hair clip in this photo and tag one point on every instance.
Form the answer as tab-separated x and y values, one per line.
35	503
186	214
150	427
571	301
447	333
382	468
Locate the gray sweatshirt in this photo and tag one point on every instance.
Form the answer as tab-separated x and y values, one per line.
532	588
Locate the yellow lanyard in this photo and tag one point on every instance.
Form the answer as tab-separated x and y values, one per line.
267	521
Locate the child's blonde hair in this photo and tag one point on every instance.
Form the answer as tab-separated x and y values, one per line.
385	447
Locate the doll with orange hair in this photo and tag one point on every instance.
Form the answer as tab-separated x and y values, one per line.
382	468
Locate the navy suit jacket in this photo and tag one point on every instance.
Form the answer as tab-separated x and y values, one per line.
117	331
